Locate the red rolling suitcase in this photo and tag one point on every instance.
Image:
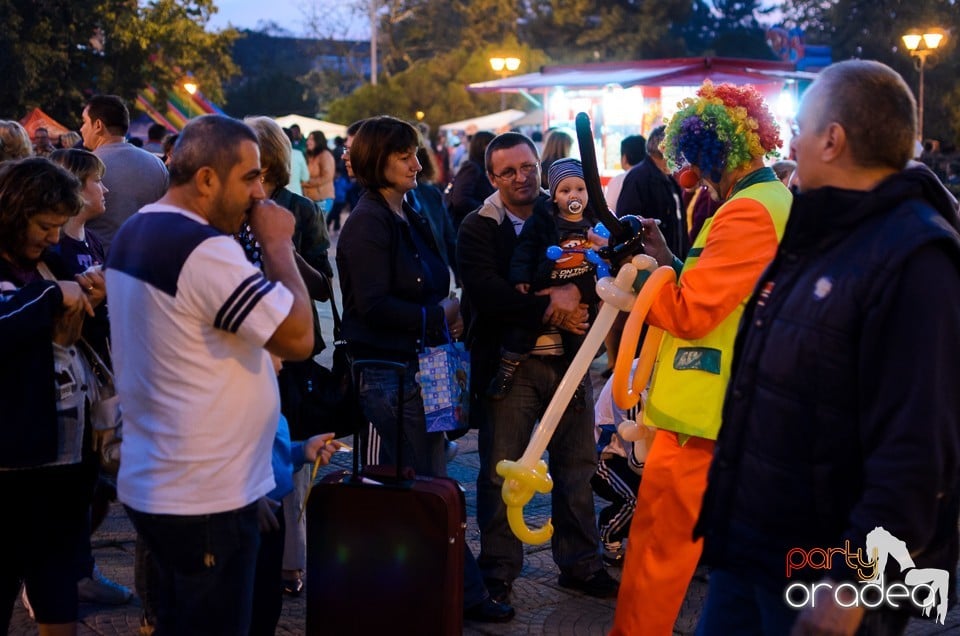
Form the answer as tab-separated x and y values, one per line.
385	550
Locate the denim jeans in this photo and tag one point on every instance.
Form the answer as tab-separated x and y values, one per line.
739	604
206	566
421	450
572	461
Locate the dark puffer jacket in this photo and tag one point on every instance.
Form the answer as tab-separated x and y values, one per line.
842	412
28	425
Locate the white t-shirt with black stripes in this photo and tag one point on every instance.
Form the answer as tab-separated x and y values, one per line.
189	318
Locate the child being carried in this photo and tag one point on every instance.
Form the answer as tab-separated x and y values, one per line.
566	221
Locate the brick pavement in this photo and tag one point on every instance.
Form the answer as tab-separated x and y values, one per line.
543	607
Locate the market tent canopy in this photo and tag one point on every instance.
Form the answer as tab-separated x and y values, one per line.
492	122
36	118
309	124
666	72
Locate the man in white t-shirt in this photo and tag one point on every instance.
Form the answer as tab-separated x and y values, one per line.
193	326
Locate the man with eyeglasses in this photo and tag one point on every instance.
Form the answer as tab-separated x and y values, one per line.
485	244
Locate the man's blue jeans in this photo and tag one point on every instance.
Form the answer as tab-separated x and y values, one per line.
421	450
206	569
572	462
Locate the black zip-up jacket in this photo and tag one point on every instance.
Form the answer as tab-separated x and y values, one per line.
651	194
485	245
383	280
28	423
842	412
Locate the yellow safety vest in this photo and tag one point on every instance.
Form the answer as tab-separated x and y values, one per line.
690	376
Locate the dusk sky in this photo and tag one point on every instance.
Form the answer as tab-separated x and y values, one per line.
289	14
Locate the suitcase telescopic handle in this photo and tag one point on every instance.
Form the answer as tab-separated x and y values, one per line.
400	368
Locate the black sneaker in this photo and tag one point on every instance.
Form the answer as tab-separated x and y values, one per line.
499	590
502	382
489	611
599	584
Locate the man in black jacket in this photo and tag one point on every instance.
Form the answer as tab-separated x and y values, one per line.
840	422
649	190
485	243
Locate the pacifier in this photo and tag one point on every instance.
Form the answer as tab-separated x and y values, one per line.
575	206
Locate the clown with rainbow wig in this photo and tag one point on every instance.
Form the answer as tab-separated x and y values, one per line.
720	137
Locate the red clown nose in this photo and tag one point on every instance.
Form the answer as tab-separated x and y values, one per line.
687	178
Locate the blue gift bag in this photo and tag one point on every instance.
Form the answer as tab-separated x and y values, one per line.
444	380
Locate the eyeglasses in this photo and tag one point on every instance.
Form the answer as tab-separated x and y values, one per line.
345	152
525	171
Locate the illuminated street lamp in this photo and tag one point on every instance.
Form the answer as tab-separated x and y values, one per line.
504	66
920	46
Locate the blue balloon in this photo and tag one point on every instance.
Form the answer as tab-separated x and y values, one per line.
602	230
554	252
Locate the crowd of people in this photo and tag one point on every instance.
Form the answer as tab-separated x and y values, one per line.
800	399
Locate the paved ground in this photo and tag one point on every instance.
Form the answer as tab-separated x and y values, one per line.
543	607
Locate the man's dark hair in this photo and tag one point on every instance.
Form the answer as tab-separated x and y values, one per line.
377	139
634	148
354	127
504	141
156	132
209	141
654	141
875	108
32	186
112	111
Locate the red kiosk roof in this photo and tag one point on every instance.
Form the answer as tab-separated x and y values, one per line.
690	71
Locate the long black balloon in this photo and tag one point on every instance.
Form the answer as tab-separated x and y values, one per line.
591	176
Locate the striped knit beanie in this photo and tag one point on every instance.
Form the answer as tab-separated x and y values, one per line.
560	170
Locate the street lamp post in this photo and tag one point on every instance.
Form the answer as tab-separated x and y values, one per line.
504	66
920	46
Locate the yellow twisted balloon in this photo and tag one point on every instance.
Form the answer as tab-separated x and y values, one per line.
522	478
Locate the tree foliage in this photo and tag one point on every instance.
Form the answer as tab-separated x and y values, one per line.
436	87
602	30
57	54
568	31
728	28
871	29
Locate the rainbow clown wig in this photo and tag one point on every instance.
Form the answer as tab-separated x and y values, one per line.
724	128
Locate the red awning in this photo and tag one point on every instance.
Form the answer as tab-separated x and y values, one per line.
666	72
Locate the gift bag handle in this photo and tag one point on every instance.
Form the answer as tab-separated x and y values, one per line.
423	331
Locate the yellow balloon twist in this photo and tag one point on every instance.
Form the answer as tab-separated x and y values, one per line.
529	474
519	484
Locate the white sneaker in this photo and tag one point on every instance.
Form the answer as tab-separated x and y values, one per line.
100	590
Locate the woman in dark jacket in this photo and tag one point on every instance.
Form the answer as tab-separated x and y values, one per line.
395	288
471	186
43	389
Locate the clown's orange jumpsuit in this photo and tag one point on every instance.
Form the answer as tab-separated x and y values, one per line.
699	315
